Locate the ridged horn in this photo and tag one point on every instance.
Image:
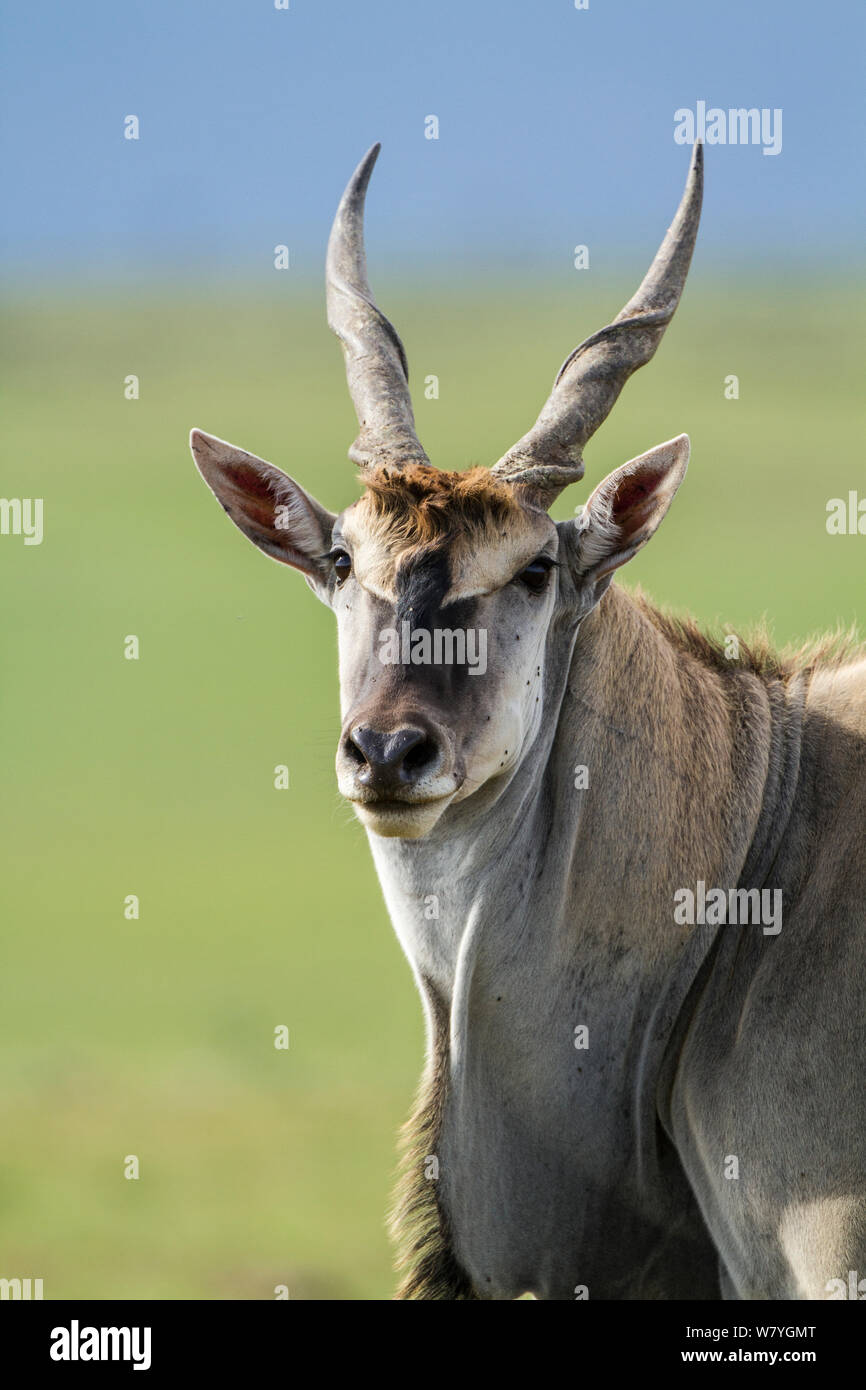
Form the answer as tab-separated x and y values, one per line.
376	367
590	379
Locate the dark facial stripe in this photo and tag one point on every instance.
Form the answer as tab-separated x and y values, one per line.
421	587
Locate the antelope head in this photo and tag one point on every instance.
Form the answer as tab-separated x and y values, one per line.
451	589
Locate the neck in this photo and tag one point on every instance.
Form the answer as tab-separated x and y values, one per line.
688	767
548	901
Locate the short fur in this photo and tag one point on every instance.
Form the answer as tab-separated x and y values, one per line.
421	1227
422	506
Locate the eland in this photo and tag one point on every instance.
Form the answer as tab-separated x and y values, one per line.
624	1097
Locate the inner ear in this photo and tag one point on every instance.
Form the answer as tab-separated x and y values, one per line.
271	509
626	509
636	498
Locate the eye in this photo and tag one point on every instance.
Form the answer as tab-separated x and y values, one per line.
535	576
342	565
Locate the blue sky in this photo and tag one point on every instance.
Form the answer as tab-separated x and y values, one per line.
555	128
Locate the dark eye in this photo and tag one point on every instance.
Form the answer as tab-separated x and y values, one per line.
342	565
535	576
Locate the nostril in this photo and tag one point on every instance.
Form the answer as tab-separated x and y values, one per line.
420	757
353	749
390	759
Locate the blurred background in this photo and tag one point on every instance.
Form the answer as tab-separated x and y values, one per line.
154	258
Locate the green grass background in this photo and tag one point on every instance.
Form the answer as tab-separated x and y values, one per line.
155	777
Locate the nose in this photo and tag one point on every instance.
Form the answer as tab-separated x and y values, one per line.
394	760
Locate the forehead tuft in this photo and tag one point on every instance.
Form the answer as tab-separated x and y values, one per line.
410	516
420	505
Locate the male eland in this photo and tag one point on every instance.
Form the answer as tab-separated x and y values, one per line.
627	867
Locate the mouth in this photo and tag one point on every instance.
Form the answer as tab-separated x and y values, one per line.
399	819
376	800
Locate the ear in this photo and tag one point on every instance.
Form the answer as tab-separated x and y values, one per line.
624	510
270	508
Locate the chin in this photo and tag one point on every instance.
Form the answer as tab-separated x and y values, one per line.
400	820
